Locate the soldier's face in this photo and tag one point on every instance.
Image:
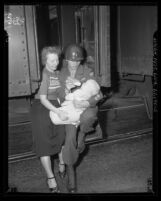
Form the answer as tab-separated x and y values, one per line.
73	65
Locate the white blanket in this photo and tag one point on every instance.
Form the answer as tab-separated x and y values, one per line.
88	89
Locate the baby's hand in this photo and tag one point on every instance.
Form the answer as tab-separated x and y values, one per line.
80	104
71	83
77	82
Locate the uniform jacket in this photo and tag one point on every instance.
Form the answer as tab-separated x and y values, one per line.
83	74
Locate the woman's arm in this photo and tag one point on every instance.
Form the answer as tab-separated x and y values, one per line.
49	106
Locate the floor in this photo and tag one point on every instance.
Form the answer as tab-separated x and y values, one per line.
122	166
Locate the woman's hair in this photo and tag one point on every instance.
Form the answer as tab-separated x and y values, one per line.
49	50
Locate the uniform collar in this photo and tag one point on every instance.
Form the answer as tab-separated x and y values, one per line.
78	72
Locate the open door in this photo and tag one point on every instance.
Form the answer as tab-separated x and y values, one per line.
93	33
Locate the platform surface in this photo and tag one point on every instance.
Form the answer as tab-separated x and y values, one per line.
121	166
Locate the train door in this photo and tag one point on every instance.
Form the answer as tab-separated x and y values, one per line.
129	111
92	25
136	49
24	75
22	43
93	33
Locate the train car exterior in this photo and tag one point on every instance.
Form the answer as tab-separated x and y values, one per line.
119	45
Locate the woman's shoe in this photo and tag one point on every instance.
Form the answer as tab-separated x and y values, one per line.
62	171
52	189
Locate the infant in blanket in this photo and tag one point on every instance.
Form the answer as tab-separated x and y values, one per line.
88	89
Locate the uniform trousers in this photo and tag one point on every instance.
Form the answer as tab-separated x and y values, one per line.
88	118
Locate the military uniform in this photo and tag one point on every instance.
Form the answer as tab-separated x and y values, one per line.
87	118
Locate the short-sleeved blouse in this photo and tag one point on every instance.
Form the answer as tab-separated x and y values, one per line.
49	85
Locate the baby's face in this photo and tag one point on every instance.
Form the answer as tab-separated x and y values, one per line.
85	88
90	87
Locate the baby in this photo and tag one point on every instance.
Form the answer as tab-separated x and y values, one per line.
88	89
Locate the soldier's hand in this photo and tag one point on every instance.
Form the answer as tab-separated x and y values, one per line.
80	104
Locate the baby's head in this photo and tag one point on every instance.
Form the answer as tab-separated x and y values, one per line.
90	87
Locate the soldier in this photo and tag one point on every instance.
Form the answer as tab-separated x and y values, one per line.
74	69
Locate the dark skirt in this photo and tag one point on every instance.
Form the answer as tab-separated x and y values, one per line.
47	137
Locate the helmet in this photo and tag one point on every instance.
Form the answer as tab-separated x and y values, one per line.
74	53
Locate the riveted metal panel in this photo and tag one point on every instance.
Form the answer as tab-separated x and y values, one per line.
19	83
20	59
32	45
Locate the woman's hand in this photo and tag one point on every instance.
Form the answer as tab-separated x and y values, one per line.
62	115
81	104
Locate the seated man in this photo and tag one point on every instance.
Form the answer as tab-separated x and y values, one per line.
88	89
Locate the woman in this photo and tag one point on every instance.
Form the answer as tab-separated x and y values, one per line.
47	137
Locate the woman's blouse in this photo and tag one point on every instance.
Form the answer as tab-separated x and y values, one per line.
49	85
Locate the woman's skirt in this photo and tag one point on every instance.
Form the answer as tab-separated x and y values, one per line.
47	137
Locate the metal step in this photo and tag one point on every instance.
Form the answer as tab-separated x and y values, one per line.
30	155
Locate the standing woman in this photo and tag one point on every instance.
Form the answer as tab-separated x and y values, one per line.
47	137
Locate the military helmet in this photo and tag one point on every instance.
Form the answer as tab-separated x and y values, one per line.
74	53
